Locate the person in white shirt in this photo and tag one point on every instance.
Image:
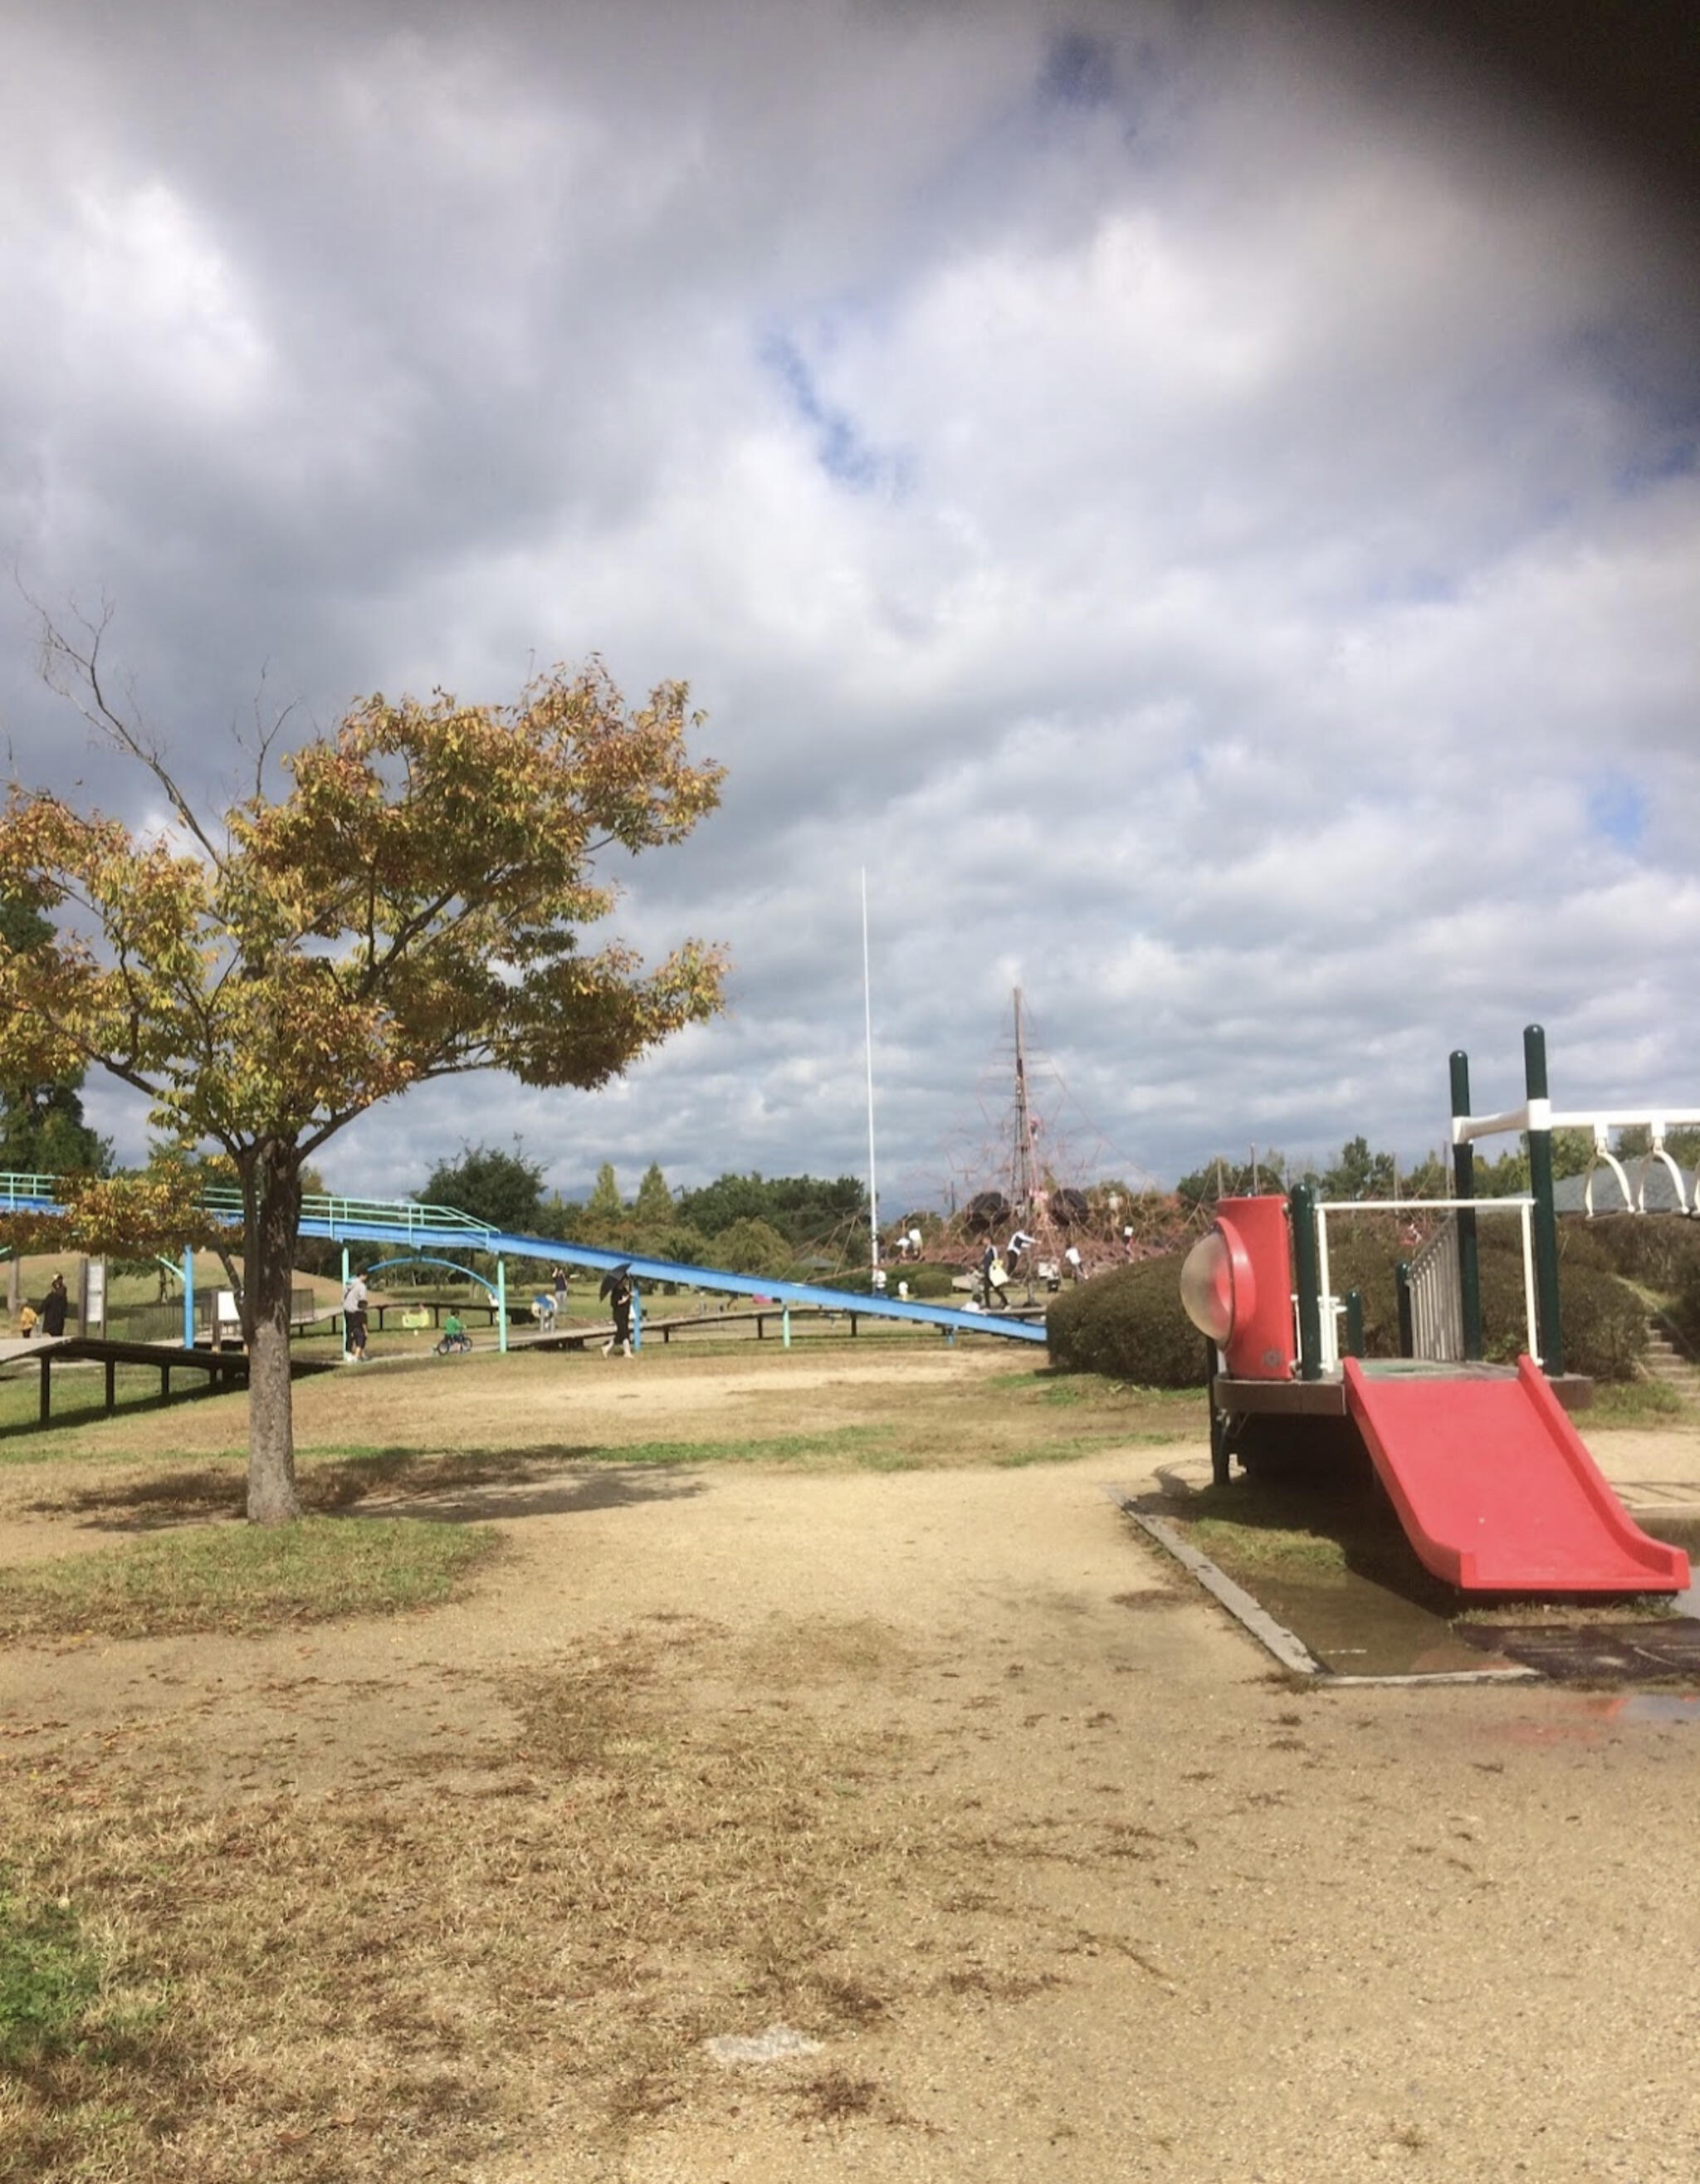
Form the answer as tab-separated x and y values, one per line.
355	1301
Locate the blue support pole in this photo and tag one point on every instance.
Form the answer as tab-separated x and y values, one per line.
188	1298
636	1319
502	1306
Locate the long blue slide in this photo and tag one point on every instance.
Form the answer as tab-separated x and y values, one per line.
432	1229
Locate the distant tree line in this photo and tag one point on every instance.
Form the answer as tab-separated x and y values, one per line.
750	1224
41	1127
1357	1172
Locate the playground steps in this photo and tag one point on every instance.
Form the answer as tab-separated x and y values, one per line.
1664	1361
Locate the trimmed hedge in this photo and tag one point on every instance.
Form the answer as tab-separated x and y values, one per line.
1129	1324
924	1280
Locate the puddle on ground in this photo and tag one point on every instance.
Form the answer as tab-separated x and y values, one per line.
1657	1706
1358	1628
1374	1611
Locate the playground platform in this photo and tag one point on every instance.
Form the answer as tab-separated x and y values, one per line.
218	1368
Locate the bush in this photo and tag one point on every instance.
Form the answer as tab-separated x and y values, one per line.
1684	1315
1129	1324
1660	1251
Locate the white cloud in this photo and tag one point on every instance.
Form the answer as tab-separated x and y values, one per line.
1208	516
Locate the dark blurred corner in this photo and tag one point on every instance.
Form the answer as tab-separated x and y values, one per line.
1621	75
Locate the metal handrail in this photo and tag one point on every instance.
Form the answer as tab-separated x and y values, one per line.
407	1215
1333	1307
225	1200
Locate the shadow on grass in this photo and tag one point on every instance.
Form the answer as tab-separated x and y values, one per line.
468	1486
83	1403
1307	1530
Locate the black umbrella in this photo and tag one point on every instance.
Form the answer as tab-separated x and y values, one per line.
620	1273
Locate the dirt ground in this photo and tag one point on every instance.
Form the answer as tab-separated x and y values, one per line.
1043	1871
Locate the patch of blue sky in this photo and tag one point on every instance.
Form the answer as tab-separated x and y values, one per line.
1617	809
840	447
1654	384
1077	70
1419	587
1678	458
1139	79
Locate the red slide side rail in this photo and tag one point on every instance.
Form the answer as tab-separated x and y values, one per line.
1497	1492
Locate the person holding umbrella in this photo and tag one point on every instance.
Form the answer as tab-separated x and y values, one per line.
617	1287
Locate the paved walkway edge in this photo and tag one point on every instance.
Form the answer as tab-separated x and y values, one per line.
1287	1647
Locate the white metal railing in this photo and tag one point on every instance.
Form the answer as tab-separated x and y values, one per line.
1600	1123
1333	1308
1437	1297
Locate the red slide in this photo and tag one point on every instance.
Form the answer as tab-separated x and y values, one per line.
1492	1483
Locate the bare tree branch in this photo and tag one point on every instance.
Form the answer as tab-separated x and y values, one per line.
73	672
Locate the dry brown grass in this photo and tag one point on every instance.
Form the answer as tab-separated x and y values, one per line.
366	1985
392	1966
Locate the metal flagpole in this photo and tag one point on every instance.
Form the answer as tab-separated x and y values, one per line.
867	1015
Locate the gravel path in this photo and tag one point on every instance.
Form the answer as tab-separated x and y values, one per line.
1160	1915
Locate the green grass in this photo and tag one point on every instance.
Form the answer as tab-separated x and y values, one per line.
1081	1445
1318	1540
1636	1403
241	1579
80	1398
1310	1536
49	1978
778	1448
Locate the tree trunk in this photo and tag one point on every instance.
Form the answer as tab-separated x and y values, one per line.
272	1191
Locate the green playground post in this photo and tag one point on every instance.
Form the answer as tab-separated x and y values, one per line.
1463	1186
1307	1272
1548	1322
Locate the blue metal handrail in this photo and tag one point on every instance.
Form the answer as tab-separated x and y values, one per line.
17	1189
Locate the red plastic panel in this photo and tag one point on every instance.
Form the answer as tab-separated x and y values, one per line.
1260	1345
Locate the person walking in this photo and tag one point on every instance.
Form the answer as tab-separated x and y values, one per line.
617	1287
355	1301
54	1307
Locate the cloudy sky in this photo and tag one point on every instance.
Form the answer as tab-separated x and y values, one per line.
1199	504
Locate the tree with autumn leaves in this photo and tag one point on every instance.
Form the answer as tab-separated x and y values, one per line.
410	907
